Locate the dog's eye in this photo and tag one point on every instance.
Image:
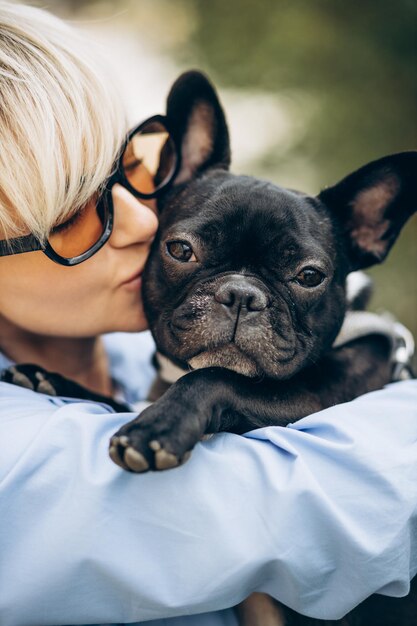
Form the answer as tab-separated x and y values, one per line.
181	251
309	277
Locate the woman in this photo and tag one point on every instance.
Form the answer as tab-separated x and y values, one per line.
290	512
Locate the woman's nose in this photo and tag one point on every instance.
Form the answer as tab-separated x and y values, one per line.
133	221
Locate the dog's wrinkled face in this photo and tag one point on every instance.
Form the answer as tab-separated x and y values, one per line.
247	275
248	282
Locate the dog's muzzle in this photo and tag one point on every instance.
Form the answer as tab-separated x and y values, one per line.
239	294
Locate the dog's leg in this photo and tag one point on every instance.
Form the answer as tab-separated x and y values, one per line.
215	399
36	378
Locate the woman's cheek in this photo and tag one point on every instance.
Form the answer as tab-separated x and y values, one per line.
44	298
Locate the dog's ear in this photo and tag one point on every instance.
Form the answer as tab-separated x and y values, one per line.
198	125
373	204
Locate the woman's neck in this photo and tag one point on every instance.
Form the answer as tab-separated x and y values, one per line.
83	360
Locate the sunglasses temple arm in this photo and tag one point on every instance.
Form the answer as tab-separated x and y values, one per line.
19	245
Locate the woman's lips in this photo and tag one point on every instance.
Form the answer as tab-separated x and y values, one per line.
134	282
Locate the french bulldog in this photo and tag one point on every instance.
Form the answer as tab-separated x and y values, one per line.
245	289
245	294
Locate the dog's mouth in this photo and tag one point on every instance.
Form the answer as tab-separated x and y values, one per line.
240	360
228	356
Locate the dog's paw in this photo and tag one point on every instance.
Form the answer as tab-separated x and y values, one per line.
158	439
31	377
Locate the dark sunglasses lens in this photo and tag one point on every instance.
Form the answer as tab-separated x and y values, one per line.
150	158
82	231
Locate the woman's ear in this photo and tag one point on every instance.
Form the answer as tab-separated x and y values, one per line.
373	204
198	125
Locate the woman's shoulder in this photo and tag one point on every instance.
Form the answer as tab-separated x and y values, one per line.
28	414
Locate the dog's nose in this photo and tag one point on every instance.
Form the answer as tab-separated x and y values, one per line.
241	292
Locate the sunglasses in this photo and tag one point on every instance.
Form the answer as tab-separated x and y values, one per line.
147	164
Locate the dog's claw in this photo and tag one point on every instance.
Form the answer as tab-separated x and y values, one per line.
165	460
115	456
44	385
122	453
20	379
135	460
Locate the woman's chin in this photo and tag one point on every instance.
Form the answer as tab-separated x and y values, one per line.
134	323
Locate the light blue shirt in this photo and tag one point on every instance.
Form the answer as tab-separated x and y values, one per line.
294	512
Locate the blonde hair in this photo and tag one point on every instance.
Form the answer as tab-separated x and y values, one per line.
61	121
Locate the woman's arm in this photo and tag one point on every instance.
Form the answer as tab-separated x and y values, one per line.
294	512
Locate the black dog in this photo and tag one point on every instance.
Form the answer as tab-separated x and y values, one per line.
246	286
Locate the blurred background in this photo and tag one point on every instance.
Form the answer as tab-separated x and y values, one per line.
312	89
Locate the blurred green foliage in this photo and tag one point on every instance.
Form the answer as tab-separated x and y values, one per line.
357	60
